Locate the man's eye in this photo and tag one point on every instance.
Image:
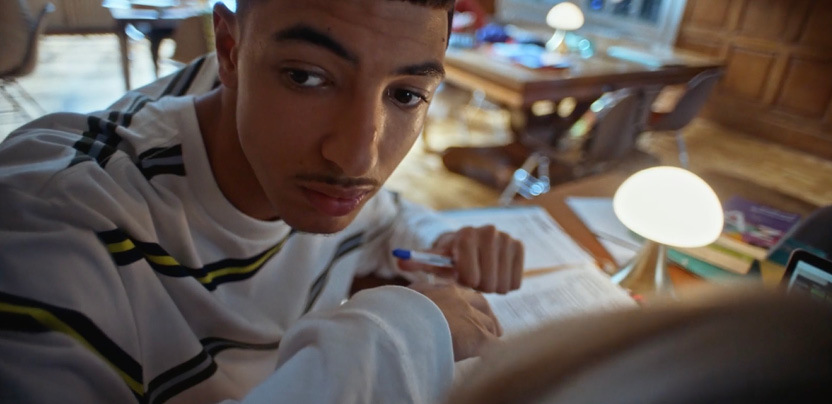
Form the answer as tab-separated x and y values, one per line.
305	78
407	98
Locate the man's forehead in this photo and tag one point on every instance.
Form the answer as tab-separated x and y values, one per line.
407	15
356	23
392	7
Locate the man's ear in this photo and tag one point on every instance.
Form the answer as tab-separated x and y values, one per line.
226	42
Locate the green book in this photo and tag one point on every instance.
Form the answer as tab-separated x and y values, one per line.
704	269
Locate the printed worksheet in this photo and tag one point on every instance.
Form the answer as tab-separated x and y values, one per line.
557	295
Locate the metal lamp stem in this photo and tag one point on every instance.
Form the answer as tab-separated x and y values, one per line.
646	273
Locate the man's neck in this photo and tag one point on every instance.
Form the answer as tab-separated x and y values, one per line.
218	125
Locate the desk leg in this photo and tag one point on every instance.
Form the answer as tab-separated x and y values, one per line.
156	35
155	42
546	129
121	32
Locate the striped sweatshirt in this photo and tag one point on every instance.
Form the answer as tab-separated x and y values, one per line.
126	276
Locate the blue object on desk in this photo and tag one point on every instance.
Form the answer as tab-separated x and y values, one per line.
528	55
461	40
641	56
492	33
579	44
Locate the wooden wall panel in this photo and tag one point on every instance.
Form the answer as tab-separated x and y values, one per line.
488	6
807	88
828	119
708	13
703	46
778	67
818	27
765	18
747	72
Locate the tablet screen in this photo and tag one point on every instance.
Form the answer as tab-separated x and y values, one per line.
809	274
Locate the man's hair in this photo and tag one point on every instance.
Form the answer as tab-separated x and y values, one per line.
244	5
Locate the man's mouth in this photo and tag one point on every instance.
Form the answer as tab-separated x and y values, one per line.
334	201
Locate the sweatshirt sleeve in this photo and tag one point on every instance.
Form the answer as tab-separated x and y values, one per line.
385	345
388	344
67	333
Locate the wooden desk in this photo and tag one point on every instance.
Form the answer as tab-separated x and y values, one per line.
518	88
161	23
604	185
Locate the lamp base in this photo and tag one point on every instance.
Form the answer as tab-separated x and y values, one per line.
646	273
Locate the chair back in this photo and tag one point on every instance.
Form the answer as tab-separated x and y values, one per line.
616	128
15	24
27	65
193	38
688	106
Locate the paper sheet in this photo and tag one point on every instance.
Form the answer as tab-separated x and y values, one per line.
599	217
546	244
551	297
557	295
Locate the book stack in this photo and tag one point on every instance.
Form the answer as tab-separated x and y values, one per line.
751	232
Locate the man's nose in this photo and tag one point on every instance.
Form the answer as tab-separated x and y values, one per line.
352	143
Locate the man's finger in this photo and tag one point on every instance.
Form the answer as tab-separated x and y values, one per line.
466	258
478	301
517	265
489	322
488	252
415	266
505	268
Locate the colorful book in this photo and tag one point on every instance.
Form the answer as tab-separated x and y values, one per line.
721	256
751	231
756	224
702	268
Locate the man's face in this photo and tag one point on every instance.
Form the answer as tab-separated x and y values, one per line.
330	96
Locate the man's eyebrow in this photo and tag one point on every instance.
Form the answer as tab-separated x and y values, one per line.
433	69
305	33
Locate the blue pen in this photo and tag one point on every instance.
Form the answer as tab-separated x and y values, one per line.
423	258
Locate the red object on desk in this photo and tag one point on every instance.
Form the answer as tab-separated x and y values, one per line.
473	7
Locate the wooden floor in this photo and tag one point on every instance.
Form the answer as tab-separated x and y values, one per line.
82	73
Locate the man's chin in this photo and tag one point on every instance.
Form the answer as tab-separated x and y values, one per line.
320	225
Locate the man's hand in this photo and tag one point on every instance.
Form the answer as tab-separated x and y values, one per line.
484	258
473	325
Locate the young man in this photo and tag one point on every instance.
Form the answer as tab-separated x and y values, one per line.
200	249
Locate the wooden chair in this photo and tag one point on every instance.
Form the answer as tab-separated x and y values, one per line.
194	38
604	137
21	63
688	106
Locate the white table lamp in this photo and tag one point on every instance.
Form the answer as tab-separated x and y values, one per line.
563	17
668	206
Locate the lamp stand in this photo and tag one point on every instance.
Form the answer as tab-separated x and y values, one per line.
646	273
556	42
